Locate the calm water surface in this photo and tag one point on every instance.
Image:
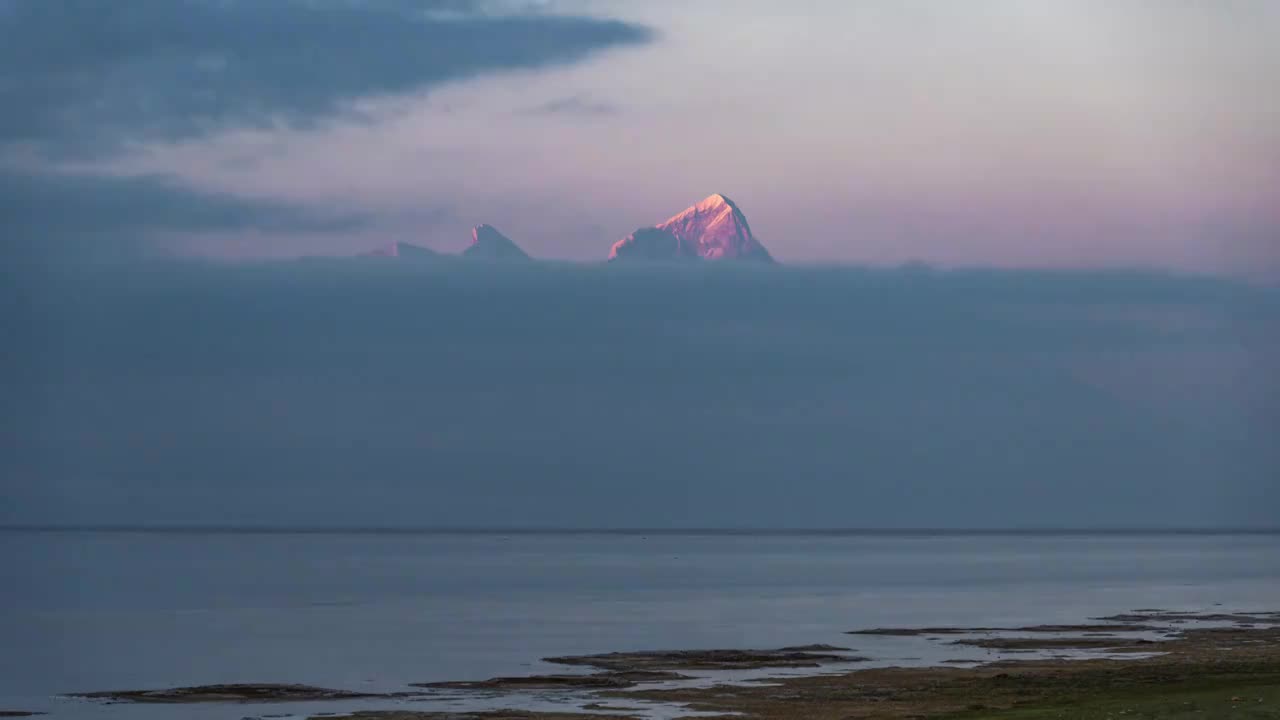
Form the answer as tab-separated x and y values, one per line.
83	611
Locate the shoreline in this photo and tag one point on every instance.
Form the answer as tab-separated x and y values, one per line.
1139	658
1205	672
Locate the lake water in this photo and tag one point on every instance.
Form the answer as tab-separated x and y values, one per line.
85	610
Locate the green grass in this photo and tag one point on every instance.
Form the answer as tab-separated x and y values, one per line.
1189	701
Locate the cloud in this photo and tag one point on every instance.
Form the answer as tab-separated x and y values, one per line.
581	104
80	79
366	393
59	203
78	75
93	216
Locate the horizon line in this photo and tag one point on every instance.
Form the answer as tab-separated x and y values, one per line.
917	268
550	530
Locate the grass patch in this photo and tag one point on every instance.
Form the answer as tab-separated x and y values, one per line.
1205	699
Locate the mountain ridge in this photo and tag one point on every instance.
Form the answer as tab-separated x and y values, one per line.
487	243
713	228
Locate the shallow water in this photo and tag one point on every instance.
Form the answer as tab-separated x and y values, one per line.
84	611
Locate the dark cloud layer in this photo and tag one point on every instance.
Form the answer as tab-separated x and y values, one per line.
55	204
74	218
75	74
370	393
79	76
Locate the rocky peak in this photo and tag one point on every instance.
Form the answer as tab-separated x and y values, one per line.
652	245
712	229
489	244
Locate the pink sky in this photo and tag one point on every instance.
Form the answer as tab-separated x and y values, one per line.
995	132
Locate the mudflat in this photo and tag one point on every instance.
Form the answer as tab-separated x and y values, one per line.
669	660
1205	673
493	715
620	679
1084	628
248	692
1204	667
1060	643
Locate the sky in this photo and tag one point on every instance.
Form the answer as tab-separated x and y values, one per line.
1028	254
1062	133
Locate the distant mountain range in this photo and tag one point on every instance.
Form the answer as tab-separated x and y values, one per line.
713	229
489	244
